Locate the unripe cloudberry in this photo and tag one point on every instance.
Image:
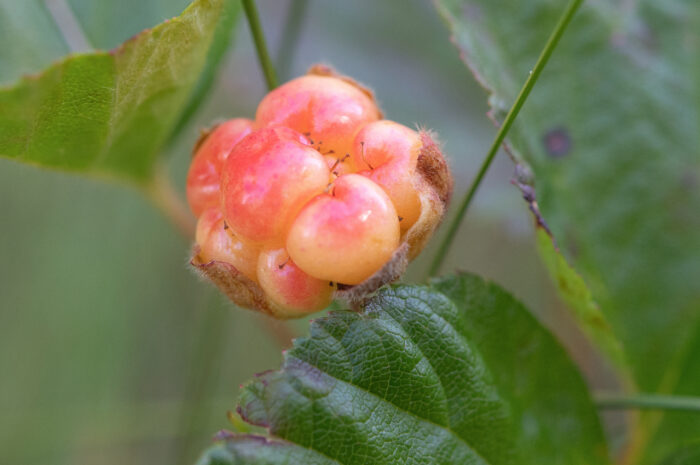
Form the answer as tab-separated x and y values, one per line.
316	198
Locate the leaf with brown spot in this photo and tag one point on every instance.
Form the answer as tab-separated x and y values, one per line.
610	131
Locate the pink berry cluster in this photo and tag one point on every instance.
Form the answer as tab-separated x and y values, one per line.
315	198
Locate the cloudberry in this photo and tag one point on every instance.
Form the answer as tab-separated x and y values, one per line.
217	243
319	197
288	287
268	177
346	235
203	179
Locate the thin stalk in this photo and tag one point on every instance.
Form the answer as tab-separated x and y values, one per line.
290	36
607	401
251	13
279	331
164	196
205	368
551	44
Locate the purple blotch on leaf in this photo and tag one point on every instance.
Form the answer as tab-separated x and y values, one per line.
557	142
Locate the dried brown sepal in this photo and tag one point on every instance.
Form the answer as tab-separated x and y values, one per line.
433	183
242	291
355	296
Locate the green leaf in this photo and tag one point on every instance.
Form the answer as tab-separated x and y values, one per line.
668	429
458	372
689	455
110	113
220	45
611	133
578	298
35	40
107	24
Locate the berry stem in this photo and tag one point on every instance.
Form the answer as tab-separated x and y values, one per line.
290	36
549	47
279	331
251	13
607	401
203	374
164	196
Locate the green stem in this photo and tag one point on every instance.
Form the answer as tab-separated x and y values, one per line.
607	401
290	36
251	13
202	379
166	198
505	127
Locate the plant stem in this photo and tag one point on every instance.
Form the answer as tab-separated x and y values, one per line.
549	47
608	401
164	196
215	58
279	331
205	368
251	13
290	36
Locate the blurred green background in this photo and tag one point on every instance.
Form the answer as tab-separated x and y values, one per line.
112	350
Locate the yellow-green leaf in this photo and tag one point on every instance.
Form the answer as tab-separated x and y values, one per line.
110	113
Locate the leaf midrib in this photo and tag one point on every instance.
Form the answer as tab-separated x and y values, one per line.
393	405
423	357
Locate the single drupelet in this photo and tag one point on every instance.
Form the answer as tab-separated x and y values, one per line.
318	198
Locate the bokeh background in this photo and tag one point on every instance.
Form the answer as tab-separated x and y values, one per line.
112	351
